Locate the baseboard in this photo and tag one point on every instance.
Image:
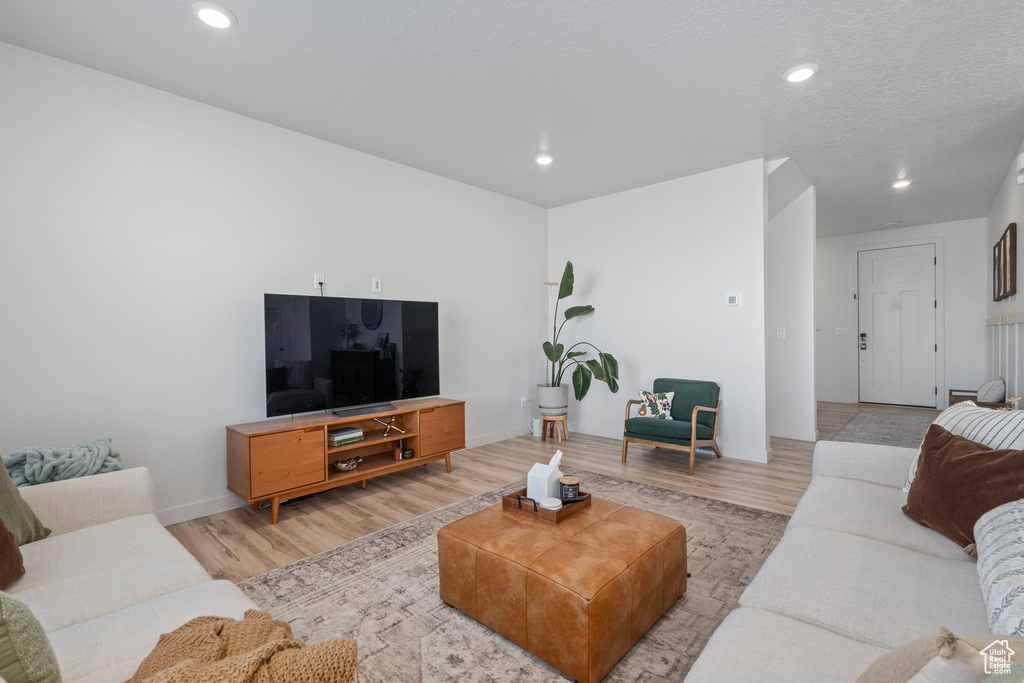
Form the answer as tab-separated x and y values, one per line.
786	432
748	454
474	440
836	398
202	508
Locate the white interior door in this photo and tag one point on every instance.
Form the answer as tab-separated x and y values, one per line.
896	295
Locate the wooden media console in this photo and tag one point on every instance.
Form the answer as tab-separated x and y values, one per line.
290	457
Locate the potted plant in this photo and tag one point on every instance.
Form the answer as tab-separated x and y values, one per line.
553	397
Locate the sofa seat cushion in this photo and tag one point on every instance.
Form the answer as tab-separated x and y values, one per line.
675	431
755	645
99	569
872	511
109	648
865	589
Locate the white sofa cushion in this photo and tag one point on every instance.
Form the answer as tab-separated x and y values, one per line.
999	534
755	645
85	573
865	589
872	511
109	648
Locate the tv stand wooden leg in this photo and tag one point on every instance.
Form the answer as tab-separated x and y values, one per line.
256	506
275	507
362	484
448	462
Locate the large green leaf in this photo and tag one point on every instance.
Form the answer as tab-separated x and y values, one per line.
575	354
553	353
596	368
577	311
611	371
565	286
581	381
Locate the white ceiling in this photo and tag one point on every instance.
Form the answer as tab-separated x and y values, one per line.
624	93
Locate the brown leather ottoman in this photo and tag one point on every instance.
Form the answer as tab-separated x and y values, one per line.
577	594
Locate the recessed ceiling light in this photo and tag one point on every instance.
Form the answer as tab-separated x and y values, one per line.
900	184
214	15
801	73
544	159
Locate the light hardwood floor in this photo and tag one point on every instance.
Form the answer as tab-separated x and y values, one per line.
240	543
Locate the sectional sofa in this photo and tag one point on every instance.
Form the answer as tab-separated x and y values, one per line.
852	578
110	579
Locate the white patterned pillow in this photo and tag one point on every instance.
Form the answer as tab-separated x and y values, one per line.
999	535
992	391
996	429
658	405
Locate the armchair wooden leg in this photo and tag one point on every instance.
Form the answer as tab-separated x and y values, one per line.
714	447
693	454
625	444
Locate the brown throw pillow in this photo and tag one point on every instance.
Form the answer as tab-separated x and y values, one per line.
12	567
958	481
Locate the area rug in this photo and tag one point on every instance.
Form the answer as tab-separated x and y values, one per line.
889	429
382	590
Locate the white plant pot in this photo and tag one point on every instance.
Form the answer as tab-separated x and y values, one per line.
553	400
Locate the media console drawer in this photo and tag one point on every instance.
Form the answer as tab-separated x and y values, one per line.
285	460
442	429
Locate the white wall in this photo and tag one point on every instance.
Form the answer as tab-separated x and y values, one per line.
657	263
789	271
1005	348
961	289
139	231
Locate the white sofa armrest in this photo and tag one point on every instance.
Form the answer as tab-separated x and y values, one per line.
873	463
86	501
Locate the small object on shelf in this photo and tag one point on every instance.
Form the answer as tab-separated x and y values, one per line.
389	425
346	466
570	487
342	437
407	453
396	452
550	503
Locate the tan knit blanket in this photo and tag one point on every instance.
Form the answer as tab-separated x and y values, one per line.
254	650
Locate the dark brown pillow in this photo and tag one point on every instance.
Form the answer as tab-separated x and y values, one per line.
12	567
958	481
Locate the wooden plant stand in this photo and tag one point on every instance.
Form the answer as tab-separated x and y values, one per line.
289	457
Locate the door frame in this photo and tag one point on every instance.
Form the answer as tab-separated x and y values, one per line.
942	397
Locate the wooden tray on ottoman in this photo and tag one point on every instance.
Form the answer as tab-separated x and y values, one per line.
511	504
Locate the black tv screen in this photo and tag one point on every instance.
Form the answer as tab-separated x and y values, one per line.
330	352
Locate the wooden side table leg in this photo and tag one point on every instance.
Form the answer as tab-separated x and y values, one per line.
448	462
275	506
544	430
557	426
565	428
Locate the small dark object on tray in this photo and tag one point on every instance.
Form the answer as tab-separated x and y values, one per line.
574	499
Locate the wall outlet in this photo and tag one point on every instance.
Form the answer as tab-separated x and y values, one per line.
318	281
522	401
780	332
376	284
734	300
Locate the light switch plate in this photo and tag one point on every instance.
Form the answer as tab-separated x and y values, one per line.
734	300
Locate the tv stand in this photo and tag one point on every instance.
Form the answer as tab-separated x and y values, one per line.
365	409
283	459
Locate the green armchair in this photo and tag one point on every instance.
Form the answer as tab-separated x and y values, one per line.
694	422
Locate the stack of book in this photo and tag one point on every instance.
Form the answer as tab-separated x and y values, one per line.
343	437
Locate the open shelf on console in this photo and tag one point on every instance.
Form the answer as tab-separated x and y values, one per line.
372	465
371	439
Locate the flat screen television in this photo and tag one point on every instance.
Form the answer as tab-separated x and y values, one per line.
328	353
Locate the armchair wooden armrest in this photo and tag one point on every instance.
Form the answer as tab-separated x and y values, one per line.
631	402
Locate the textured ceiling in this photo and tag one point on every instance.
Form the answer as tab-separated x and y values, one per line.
624	93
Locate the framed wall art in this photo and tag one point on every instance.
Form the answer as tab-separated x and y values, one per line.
1004	264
